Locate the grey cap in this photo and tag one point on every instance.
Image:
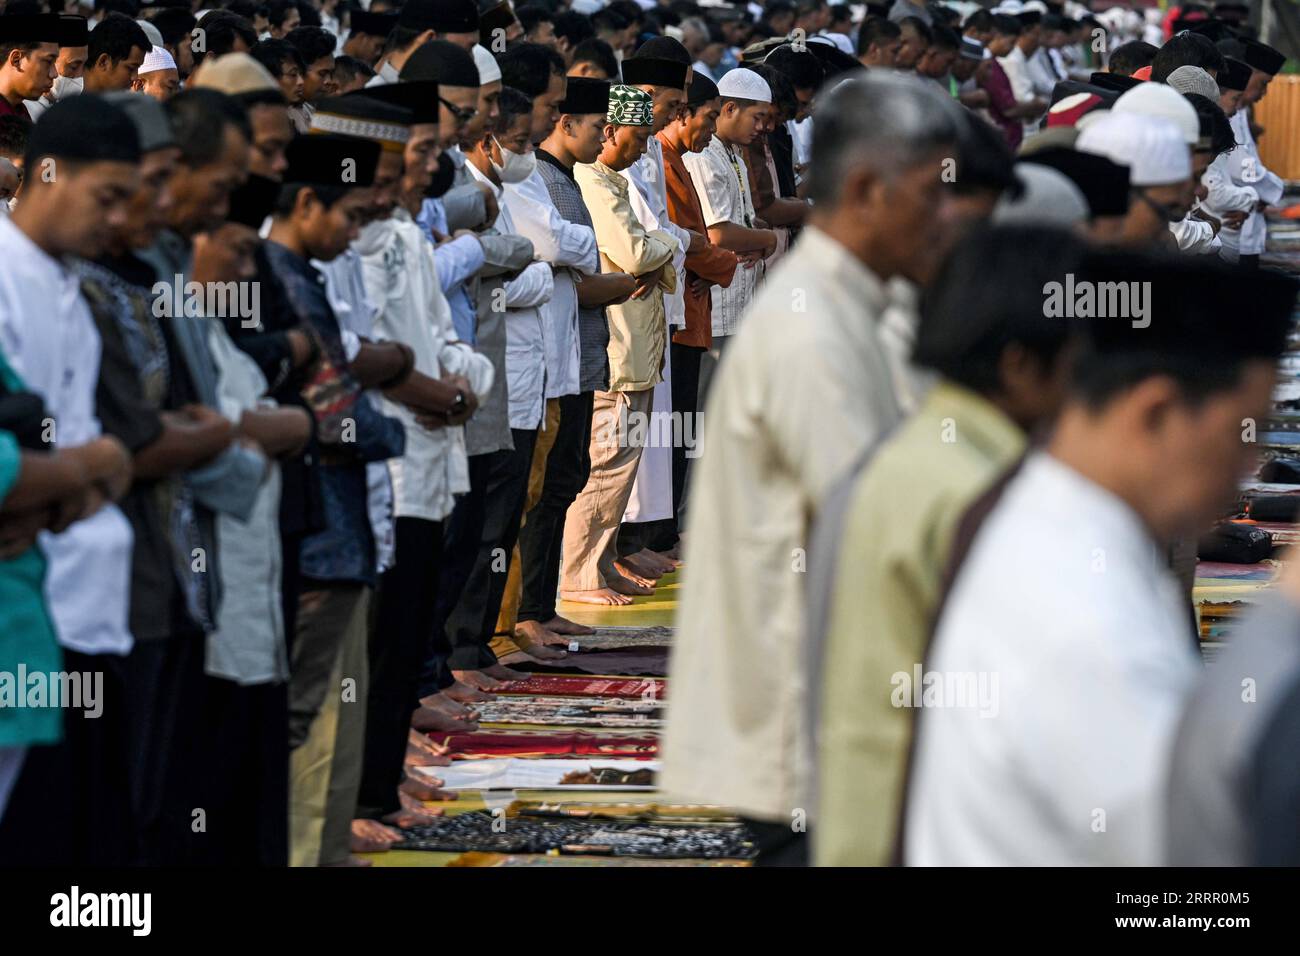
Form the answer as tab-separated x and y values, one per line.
1192	79
149	118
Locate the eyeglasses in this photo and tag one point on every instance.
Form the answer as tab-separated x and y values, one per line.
463	114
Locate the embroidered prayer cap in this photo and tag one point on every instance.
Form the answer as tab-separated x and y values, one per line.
1068	111
74	31
1152	147
235	74
444	63
152	32
150	118
356	114
629	106
1114	81
1047	198
155	60
85	127
701	90
253	201
494	16
372	24
1104	183
1262	57
743	84
1192	79
1159	100
653	71
419	96
585	94
440	16
1235	77
972	49
663	48
486	64
328	159
31	28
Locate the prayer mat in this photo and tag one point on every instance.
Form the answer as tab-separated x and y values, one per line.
540	743
555	859
571	712
622	638
644	812
486	832
638	662
511	773
559	685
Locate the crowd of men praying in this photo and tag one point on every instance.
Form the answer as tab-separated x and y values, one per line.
345	346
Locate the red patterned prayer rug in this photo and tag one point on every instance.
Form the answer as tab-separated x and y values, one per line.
565	685
536	743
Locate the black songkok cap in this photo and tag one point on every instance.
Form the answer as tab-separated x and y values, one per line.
441	16
373	24
444	63
1261	56
419	97
1215	30
701	90
252	202
74	31
653	71
499	16
1114	81
664	48
31	28
585	94
1104	184
85	127
1236	76
324	159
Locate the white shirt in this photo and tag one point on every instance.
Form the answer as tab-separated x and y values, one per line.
49	337
521	297
649	200
1245	168
723	189
1194	236
1067	602
1016	66
570	248
401	277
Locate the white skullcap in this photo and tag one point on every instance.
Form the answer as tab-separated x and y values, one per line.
1009	7
743	84
1192	79
156	59
1034	6
1050	198
488	70
152	32
1158	100
1151	147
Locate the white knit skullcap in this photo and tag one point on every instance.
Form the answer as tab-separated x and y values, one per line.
156	59
488	69
743	84
1163	102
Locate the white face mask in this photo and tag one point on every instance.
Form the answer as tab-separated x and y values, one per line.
65	86
517	166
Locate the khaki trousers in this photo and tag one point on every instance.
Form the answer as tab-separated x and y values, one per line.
619	425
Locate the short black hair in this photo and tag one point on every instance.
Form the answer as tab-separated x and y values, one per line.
531	14
312	43
800	67
917	26
574	27
221	29
348	68
597	52
174	24
1214	123
1007	25
14	132
199	117
1130	57
529	67
513	104
980	20
116	35
277	11
783	94
776	8
272	53
245	8
987	296
1186	49
130	8
609	19
944	38
288	196
875	30
984	161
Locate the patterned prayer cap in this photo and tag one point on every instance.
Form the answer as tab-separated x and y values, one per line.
629	106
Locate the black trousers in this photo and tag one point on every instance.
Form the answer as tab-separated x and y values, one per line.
542	537
477	542
662	535
401	640
1248	262
71	804
778	844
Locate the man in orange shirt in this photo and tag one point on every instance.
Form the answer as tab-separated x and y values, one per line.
709	265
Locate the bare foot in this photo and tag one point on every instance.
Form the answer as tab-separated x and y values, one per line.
421	742
540	652
670	558
625	569
606	596
477	679
532	634
452	708
425	791
501	672
428	719
562	625
417	757
371	836
622	585
655	561
464	693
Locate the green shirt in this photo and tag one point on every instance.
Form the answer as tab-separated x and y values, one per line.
26	631
897	535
